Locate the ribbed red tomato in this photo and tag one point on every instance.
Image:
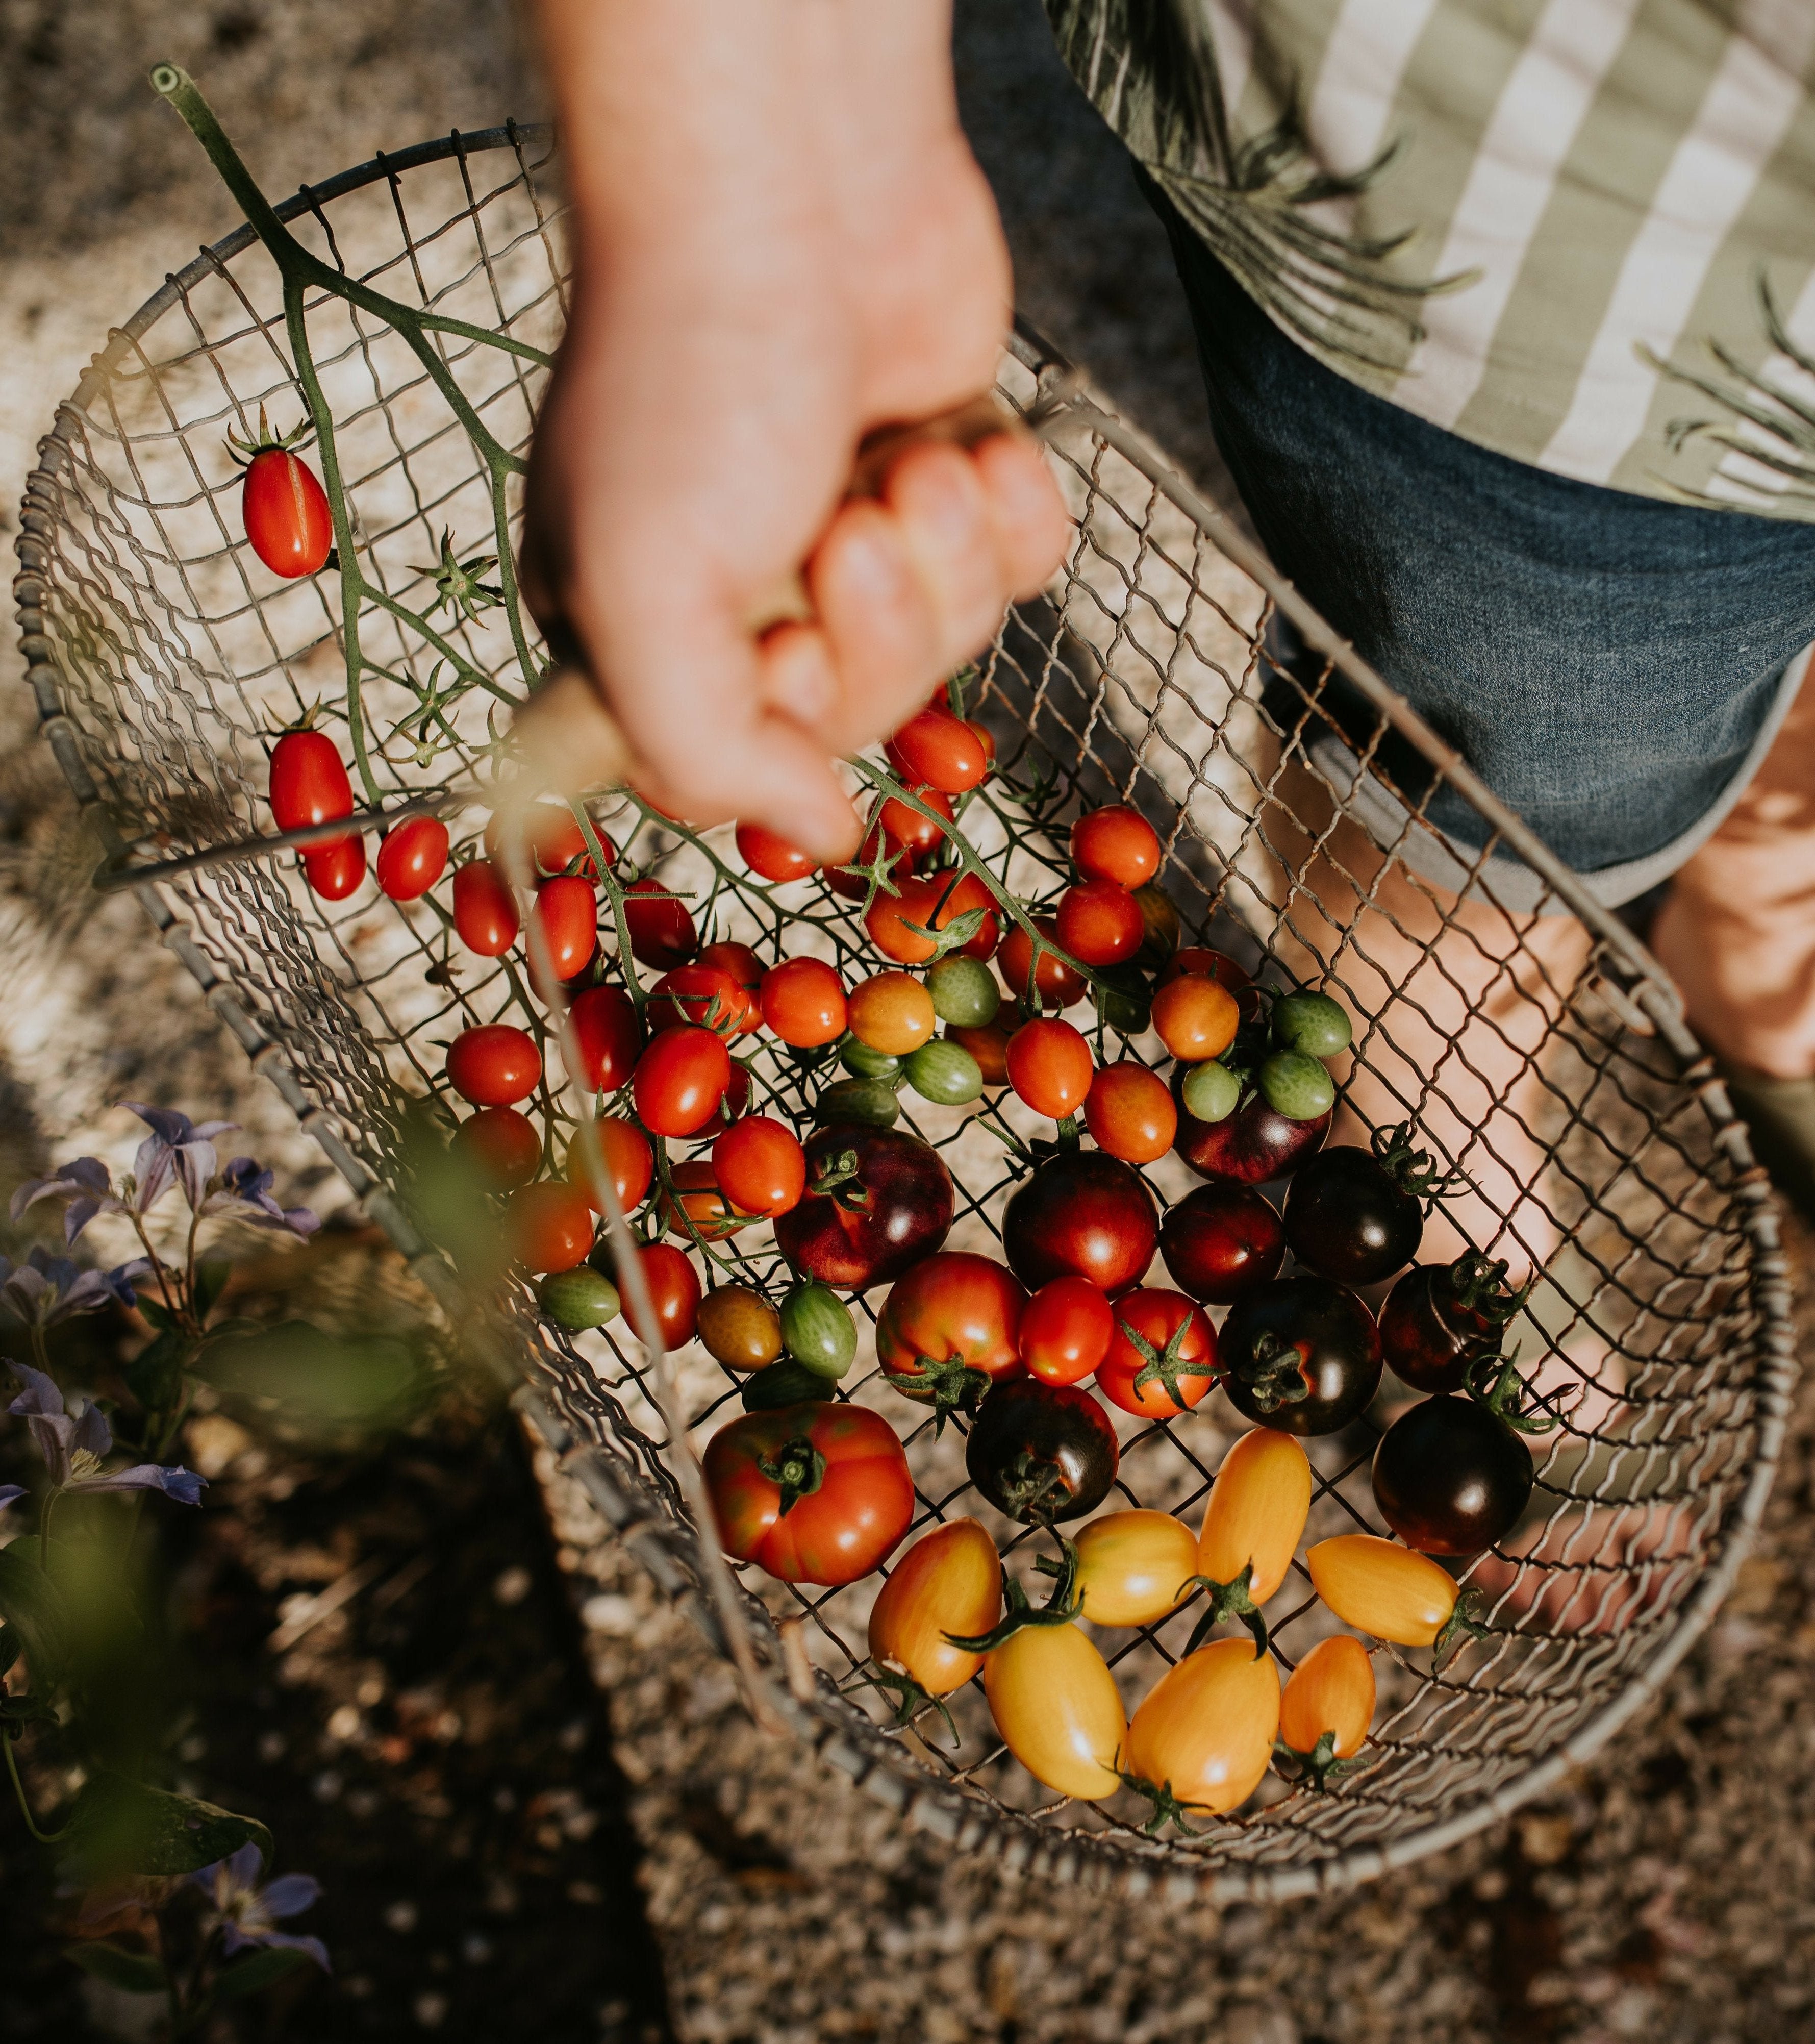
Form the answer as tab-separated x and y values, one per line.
286	514
771	856
334	869
501	1146
485	918
680	1079
814	1493
308	784
413	857
549	1226
566	914
494	1065
662	932
608	1037
950	1328
760	1166
1162	1355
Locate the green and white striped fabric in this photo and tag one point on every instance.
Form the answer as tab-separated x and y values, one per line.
1580	232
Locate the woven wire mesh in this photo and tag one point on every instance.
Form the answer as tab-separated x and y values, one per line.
1542	1055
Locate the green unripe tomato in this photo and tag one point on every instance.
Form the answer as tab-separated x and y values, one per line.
1296	1086
783	1383
862	1062
820	1329
965	992
1210	1091
579	1299
870	1103
945	1072
1122	998
1311	1023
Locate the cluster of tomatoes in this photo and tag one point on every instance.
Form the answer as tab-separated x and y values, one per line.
970	993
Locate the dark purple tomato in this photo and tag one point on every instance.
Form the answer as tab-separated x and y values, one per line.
1440	1317
877	1200
1221	1241
1347	1218
1040	1452
1253	1145
1082	1214
1449	1478
1301	1354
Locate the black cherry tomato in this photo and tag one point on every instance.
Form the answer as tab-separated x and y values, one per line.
1438	1318
1300	1354
1450	1478
1041	1452
1221	1241
1085	1214
1357	1216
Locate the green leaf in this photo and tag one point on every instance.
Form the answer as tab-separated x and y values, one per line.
11	1647
154	1376
259	1970
154	1310
120	1826
134	1972
35	1609
210	1282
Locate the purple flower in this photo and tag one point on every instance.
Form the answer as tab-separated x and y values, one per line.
248	1913
10	1493
45	1289
178	1152
74	1445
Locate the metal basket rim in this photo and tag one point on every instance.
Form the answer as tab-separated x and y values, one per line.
844	1738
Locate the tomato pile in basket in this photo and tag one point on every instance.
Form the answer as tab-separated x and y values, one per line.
970	990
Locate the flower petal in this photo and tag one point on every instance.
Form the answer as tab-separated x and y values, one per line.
173	1127
79	1213
290	1894
10	1493
183	1484
196	1163
40	1395
92	1434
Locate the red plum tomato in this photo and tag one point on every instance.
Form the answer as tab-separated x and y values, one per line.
770	856
662	933
412	858
333	870
494	1065
549	1226
608	1037
803	1002
760	1166
501	1147
1129	1112
286	514
485	918
679	1080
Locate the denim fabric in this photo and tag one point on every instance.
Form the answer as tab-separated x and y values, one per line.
1612	665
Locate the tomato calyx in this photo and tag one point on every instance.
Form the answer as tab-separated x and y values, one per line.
458	584
1167	1807
1230	1600
841	1179
1412	1171
1064	1604
1272	1372
875	873
1165	1365
797	1468
1493	1380
951	1384
1461	1624
907	1698
1318	1768
245	451
1480	1287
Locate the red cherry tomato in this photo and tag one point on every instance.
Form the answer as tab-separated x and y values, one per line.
1057	984
567	913
697	992
803	1002
662	933
628	1158
334	869
760	1166
745	970
950	1328
984	737
1178	1341
1116	843
1050	1067
1131	1113
412	858
988	1045
549	1226
501	1147
1065	1330
680	1079
772	856
814	1493
484	910
608	1037
938	751
933	902
494	1065
673	1292
308	785
901	824
555	839
734	1106
286	514
1100	922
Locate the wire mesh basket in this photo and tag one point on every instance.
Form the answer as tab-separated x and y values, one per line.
1313	827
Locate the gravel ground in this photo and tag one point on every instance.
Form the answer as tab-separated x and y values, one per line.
1667	1895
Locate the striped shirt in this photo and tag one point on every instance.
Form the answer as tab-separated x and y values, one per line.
1579	233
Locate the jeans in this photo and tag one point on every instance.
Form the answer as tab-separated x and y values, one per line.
1613	667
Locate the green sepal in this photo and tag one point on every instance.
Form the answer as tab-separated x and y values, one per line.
1230	1600
1274	1374
1318	1768
949	1386
1060	1608
907	1699
1163	1366
1461	1624
797	1468
1167	1807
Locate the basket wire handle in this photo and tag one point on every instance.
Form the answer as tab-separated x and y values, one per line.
718	1582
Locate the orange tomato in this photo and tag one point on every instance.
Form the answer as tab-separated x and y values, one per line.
988	1045
1381	1588
1049	1066
549	1226
892	1012
1203	1738
803	1002
1131	1113
1256	1513
628	1157
1195	1017
1135	1567
1057	1709
1329	1693
1118	844
949	1582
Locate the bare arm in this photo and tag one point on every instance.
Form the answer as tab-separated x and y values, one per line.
782	241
